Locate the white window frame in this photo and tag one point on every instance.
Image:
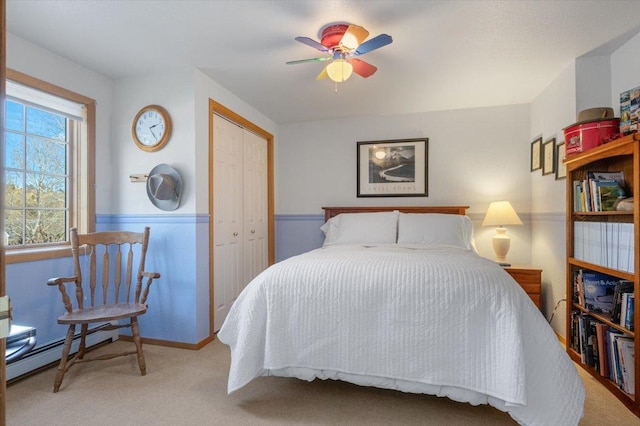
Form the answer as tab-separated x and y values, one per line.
81	193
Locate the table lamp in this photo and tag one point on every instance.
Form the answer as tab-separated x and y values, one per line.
501	213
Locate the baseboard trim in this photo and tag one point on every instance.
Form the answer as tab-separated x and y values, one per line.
169	343
48	354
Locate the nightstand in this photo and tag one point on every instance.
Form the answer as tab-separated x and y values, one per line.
530	279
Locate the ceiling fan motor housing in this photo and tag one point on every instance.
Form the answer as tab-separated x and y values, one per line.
331	35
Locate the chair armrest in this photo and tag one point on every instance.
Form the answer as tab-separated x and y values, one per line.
61	280
152	275
139	292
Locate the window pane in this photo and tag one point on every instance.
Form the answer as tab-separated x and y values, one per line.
14	150
45	191
45	156
45	226
14	113
46	124
13	226
14	189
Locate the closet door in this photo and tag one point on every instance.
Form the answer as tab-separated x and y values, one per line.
228	270
255	206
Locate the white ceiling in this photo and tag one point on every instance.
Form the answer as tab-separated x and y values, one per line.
445	54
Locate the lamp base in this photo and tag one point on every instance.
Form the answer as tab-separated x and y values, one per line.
501	244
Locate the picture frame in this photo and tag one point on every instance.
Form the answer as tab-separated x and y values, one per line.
536	154
393	168
549	157
561	168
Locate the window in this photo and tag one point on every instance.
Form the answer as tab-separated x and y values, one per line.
49	167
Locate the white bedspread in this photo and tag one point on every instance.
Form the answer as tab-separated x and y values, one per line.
439	320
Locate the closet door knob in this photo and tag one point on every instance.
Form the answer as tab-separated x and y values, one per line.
235	234
253	231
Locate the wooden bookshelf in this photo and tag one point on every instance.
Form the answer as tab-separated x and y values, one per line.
620	155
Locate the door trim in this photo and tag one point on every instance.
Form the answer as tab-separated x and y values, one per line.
3	289
221	110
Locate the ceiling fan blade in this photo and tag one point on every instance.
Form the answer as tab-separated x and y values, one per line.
373	44
362	68
323	74
310	42
353	37
304	61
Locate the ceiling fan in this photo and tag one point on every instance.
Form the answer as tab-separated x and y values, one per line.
342	43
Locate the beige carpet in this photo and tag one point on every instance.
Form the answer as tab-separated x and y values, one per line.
184	387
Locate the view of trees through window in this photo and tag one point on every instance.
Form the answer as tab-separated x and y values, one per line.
36	174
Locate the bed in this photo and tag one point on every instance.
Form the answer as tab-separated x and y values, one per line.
398	298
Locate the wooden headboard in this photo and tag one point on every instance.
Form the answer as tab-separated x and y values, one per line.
330	212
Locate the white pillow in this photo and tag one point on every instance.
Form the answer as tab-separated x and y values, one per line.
361	228
435	228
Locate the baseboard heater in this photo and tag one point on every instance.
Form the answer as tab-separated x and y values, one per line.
51	352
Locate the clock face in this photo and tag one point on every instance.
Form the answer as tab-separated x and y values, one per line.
151	128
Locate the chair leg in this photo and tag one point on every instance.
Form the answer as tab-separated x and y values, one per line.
83	339
135	330
62	367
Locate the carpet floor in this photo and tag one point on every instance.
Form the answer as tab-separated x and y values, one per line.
186	387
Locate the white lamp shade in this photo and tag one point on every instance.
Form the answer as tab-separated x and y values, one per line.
501	213
339	70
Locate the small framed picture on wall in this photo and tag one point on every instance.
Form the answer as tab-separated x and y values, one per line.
536	154
561	168
549	156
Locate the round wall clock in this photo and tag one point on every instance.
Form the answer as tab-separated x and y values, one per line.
151	128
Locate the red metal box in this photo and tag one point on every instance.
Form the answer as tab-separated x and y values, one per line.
585	135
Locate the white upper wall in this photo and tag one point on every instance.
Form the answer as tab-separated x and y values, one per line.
625	70
172	90
205	89
593	82
475	157
40	63
552	111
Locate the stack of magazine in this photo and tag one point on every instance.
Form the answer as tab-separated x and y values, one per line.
609	244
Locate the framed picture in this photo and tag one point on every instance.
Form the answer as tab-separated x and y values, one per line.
561	168
549	156
536	154
393	168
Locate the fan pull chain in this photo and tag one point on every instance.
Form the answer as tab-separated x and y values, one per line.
336	86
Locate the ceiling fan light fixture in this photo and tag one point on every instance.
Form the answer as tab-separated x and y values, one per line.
339	70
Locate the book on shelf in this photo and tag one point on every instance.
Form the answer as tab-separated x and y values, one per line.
626	310
608	194
576	317
627	364
612	356
601	332
595	290
623	286
578	289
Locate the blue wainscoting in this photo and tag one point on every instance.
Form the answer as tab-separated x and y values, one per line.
178	249
178	301
296	234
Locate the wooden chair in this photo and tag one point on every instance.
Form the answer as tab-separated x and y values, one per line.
104	284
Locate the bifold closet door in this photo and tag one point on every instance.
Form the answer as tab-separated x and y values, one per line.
228	199
255	206
240	209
